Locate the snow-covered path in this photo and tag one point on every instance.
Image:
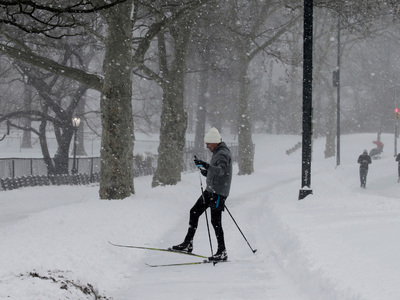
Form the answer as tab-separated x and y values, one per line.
341	242
246	276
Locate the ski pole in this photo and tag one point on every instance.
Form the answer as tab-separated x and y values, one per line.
254	251
205	211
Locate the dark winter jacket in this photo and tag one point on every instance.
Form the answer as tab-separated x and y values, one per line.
364	160
398	158
219	173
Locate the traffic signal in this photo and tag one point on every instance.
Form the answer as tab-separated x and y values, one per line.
396	113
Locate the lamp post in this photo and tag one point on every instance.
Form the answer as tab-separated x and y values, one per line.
396	117
337	85
307	100
75	123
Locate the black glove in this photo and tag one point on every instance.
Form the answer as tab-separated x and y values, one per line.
200	163
204	172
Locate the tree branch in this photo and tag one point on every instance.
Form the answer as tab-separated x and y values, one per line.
79	7
28	114
155	28
91	80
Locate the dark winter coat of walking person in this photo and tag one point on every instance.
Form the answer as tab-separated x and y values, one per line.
398	168
364	160
219	176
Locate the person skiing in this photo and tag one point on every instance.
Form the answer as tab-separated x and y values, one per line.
364	160
218	175
398	170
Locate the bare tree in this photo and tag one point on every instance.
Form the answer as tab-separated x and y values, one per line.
173	116
250	36
73	19
170	73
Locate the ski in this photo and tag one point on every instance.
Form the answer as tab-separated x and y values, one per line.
159	249
187	263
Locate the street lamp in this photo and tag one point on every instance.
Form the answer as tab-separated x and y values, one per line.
396	117
307	100
337	85
75	123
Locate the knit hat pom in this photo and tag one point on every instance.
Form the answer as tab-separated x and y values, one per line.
213	136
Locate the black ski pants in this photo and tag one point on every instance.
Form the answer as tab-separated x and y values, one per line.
363	176
216	203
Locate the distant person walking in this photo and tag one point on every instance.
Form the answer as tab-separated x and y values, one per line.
364	160
398	170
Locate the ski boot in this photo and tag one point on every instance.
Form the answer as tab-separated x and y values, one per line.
221	255
184	247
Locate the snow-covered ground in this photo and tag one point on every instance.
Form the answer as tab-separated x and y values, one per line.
342	242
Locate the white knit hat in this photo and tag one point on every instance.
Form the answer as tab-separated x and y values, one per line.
213	136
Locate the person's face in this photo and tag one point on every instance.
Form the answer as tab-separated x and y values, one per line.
211	146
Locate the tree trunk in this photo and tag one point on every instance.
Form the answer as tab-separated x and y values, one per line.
173	115
246	147
330	145
27	134
61	158
202	107
80	112
295	101
116	175
64	133
43	144
172	139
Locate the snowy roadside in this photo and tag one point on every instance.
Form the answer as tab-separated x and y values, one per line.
344	239
339	243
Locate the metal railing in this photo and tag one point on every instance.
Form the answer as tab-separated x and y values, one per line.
21	172
18	167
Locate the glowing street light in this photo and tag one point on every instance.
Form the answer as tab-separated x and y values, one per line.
75	123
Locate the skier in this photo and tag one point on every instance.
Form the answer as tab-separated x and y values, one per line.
364	160
219	175
398	170
376	152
